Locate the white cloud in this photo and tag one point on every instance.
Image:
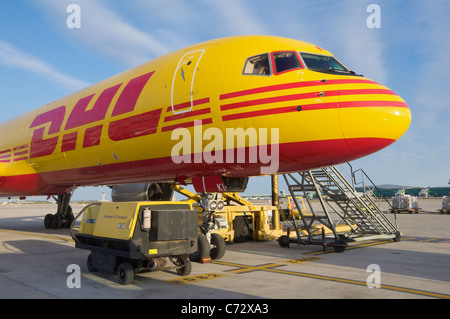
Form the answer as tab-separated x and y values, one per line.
361	46
432	81
237	18
11	56
104	31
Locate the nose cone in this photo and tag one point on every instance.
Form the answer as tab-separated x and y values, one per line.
372	117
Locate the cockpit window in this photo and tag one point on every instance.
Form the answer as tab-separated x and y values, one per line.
257	65
285	61
324	63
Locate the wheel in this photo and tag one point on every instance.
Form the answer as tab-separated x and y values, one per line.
185	266
398	236
90	267
241	231
219	246
339	248
283	241
203	249
69	220
125	272
58	221
48	221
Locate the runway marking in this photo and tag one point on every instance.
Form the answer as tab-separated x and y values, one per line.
302	260
418	239
274	268
191	279
349	247
245	268
36	235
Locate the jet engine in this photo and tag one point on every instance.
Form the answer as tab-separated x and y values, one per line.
142	192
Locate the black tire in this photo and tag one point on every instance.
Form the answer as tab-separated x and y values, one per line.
219	246
125	272
241	231
203	249
283	241
185	266
339	246
58	221
90	267
398	236
49	221
69	220
339	249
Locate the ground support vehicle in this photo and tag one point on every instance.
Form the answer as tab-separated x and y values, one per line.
129	237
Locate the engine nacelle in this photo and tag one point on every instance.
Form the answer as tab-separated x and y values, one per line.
142	192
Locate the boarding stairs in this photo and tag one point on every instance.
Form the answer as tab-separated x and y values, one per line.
338	200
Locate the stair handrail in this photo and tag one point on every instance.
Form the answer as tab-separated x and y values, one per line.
363	176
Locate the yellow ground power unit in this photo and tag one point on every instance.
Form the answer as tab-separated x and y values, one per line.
130	237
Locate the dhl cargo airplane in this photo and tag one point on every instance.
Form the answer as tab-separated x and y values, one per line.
169	121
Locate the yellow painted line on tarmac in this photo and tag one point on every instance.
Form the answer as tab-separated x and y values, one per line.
245	268
271	268
330	250
36	235
362	283
302	260
196	278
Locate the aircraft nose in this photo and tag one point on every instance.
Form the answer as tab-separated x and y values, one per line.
372	117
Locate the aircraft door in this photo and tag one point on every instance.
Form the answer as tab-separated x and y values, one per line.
183	84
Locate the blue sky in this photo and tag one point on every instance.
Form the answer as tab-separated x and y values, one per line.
41	59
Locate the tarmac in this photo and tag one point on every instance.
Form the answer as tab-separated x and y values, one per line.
42	263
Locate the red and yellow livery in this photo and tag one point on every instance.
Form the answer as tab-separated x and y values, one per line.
120	130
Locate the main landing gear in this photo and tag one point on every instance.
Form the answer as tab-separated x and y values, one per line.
64	215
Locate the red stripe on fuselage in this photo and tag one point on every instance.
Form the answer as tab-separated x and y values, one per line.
303	96
186	105
294	85
186	124
312	107
187	114
298	156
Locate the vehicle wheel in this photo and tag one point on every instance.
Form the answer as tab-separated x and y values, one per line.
283	241
203	249
339	246
339	249
125	272
90	267
241	231
48	221
185	266
398	236
219	246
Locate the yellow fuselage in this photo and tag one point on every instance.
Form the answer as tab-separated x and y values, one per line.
167	120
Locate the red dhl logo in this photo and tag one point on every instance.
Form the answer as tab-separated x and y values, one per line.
130	127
